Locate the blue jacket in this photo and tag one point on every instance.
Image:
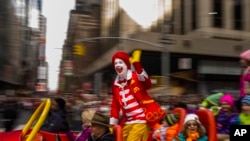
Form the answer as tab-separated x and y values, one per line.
183	138
56	122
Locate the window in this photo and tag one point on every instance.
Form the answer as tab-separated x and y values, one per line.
194	14
238	14
182	17
217	19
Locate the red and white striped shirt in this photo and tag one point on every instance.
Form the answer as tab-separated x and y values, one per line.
133	112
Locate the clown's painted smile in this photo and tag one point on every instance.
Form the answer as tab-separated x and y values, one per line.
120	68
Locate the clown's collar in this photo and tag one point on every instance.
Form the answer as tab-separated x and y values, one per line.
129	76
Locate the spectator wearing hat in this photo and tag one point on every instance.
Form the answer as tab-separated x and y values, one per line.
193	130
56	122
167	130
100	128
244	116
225	116
130	96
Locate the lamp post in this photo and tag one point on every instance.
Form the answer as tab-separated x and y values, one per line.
165	40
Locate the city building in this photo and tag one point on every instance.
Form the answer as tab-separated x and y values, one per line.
10	44
84	22
196	43
19	43
42	64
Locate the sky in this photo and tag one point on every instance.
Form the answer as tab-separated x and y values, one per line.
148	12
57	14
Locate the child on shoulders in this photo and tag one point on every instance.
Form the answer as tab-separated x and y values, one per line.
225	117
244	116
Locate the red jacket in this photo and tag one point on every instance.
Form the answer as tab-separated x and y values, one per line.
139	90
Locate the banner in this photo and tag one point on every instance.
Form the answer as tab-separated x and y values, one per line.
68	68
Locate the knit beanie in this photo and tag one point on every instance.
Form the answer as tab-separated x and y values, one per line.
61	102
214	98
245	55
191	117
172	119
246	99
121	55
228	98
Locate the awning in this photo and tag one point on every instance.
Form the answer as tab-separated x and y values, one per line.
185	75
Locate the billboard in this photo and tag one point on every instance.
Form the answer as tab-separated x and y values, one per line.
41	87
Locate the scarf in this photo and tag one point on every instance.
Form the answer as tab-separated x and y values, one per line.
193	136
244	119
84	134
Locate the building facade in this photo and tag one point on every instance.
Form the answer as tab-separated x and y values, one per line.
206	39
84	22
19	43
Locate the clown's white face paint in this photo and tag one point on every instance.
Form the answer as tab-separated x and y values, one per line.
121	68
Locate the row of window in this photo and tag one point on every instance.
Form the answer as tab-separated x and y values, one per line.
218	18
237	8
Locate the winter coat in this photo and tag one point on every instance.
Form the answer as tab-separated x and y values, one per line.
56	122
169	134
244	83
105	137
241	119
224	121
183	138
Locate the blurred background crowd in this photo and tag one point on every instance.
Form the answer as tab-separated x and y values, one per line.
190	49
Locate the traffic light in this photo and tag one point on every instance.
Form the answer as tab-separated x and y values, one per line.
79	49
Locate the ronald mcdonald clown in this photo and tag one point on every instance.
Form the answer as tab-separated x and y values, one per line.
139	110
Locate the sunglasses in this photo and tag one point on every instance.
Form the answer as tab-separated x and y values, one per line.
191	124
